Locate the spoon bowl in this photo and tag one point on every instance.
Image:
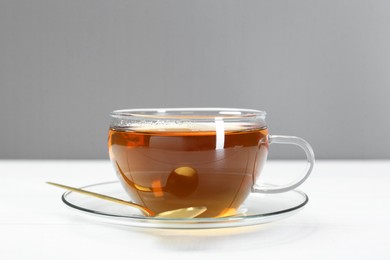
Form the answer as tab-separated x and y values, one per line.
190	212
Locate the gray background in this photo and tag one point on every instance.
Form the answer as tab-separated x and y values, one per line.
321	69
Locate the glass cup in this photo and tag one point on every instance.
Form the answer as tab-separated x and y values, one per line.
174	158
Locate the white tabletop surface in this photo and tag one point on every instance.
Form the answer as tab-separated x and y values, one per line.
347	217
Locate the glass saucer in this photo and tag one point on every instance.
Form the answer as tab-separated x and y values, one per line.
257	209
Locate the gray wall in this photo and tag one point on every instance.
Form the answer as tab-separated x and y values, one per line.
321	69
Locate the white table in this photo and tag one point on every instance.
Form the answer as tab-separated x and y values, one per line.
347	217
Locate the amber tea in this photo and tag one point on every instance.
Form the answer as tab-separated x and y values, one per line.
169	170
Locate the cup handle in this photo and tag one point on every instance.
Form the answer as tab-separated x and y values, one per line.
282	139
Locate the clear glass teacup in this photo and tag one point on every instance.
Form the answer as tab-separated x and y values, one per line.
174	158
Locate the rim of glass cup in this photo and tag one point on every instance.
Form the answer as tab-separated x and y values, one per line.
188	113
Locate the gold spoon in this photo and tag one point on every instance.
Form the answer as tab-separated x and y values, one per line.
190	212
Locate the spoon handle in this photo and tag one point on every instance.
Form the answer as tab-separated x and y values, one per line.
144	210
